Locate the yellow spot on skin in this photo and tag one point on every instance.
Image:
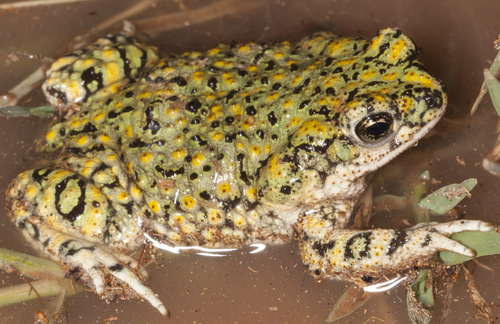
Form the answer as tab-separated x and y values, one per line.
128	131
197	159
146	157
251	194
236	108
278	76
213	51
421	78
179	154
272	97
243	49
112	157
267	148
145	94
31	191
82	140
136	193
217	136
390	76
198	76
278	55
50	135
172	112
168	70
123	197
224	188
240	145
99	116
188	202
397	48
287	104
255	151
296	80
368	74
154	205
104	138
181	121
219	64
179	139
252	68
75	124
179	218
239	221
130	167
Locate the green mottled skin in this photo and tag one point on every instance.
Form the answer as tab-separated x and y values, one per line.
241	144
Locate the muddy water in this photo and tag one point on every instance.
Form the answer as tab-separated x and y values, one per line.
455	39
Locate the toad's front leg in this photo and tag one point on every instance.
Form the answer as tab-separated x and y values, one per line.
80	222
362	255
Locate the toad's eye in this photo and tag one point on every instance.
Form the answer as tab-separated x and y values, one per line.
375	127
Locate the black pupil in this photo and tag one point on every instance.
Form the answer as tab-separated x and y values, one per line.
375	127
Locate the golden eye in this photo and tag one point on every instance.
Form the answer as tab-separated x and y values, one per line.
375	127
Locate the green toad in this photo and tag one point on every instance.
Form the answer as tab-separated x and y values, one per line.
237	145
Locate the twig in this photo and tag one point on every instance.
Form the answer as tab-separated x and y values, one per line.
36	3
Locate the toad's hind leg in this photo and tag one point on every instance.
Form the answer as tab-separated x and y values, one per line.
82	224
361	255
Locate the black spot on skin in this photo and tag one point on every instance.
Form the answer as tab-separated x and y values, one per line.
426	241
205	195
264	80
276	86
367	279
286	190
169	173
328	61
215	124
116	268
298	90
399	240
251	111
307	81
304	104
317	272
199	140
365	251
260	133
95	203
231	95
322	248
193	106
207	168
212	83
242	73
129	94
270	66
180	81
151	124
193	176
351	95
338	70
88	77
220	156
271	117
229	120
274	137
293	67
39	175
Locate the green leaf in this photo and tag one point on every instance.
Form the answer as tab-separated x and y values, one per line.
493	88
484	243
17	111
444	199
420	301
423	295
29	265
353	298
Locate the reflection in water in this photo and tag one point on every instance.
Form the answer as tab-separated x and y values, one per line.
204	251
384	285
